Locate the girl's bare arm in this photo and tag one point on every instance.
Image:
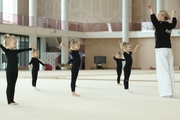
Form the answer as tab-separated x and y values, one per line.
64	45
121	46
135	49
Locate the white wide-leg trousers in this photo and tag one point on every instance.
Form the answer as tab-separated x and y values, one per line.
165	71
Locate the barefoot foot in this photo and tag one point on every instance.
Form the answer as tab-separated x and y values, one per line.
75	95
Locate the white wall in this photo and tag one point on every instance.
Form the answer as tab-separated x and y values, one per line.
42	32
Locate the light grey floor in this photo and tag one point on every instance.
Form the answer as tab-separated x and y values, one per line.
101	98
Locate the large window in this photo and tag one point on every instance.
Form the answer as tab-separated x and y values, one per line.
8	11
23	42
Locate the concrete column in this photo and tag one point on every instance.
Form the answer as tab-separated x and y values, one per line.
43	49
32	22
1	5
15	11
159	5
125	20
43	45
32	40
1	11
64	26
33	13
15	7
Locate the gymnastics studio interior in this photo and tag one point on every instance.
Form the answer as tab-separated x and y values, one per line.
98	25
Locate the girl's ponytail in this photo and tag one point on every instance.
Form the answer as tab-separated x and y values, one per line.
5	39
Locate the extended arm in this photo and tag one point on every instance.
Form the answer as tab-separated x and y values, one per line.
29	65
150	9
174	20
135	49
23	50
3	48
121	46
79	42
153	17
41	63
64	45
44	67
26	49
114	57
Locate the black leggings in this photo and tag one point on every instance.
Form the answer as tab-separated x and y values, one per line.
119	71
74	74
11	83
127	72
34	77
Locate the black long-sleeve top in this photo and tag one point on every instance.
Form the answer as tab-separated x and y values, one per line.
12	58
128	59
163	31
119	62
76	58
70	61
35	62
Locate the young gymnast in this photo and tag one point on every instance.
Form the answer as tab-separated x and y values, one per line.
35	67
126	49
118	59
163	50
9	48
74	51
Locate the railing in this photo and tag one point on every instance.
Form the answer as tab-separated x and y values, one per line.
48	23
13	19
94	27
91	27
74	26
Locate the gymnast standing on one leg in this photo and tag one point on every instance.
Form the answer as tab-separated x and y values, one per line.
74	51
9	48
126	49
118	60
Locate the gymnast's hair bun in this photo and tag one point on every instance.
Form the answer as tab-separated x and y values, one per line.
6	36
